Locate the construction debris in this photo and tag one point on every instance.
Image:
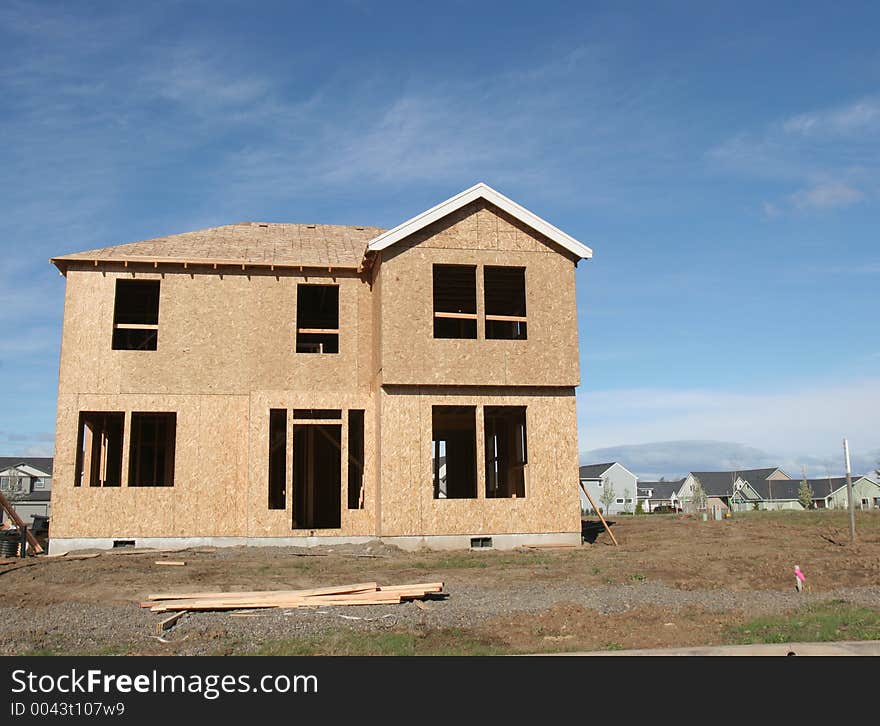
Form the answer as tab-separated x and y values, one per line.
169	622
173	563
366	593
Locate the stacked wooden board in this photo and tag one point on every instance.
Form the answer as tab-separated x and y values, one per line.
362	593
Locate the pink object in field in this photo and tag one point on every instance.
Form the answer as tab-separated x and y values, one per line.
798	574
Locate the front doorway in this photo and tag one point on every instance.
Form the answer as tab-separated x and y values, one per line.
317	483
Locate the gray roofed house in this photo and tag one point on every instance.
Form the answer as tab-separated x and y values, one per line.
830	493
741	488
43	463
600	479
593	471
27	482
655	494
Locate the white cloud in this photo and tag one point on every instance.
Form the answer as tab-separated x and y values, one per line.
854	118
827	196
806	421
829	159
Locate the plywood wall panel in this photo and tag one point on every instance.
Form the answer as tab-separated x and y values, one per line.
551	503
478	235
227	333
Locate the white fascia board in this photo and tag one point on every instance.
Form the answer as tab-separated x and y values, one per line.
479	191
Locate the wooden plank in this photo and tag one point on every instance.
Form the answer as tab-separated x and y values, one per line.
169	605
135	326
13	515
596	510
456	316
318	331
170	563
508	318
241	602
169	622
332	590
424	586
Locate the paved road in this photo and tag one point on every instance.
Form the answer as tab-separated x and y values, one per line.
860	647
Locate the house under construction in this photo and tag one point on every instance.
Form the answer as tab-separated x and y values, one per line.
303	384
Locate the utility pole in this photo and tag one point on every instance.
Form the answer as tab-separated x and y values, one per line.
849	494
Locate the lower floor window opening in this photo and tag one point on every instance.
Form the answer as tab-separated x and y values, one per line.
454	452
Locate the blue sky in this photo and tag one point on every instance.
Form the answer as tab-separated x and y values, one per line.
721	160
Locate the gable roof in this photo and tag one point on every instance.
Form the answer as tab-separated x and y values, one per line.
594	471
43	463
252	243
720	483
662	489
479	191
825	487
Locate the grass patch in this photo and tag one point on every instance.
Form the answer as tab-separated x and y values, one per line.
447	642
820	623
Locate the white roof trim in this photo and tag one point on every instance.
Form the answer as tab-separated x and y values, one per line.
478	191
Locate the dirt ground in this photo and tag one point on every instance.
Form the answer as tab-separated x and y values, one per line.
673	581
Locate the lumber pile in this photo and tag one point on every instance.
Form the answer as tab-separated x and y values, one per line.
363	593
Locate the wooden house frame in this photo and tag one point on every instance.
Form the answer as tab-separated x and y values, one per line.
300	384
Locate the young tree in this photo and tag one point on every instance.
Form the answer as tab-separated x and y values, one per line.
698	496
626	497
805	495
608	495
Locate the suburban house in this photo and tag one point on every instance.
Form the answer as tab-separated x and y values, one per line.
738	490
27	483
614	477
830	493
661	495
264	383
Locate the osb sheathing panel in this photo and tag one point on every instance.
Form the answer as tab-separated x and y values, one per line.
263	522
229	333
551	503
483	235
210	484
221	470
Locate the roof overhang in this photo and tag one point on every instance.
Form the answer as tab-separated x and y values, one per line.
479	191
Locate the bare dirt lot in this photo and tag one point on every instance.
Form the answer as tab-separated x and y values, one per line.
674	581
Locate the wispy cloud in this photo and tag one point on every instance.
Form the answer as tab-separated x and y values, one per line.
854	118
833	195
828	158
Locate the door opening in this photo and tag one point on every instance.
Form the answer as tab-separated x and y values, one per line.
317	481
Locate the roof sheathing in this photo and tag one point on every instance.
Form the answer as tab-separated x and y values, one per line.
248	244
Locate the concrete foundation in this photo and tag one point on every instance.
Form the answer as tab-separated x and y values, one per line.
433	542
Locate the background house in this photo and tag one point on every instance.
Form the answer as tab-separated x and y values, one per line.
830	493
27	483
660	494
599	478
719	488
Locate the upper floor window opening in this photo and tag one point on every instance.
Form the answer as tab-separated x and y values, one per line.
504	291
136	315
455	301
317	318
